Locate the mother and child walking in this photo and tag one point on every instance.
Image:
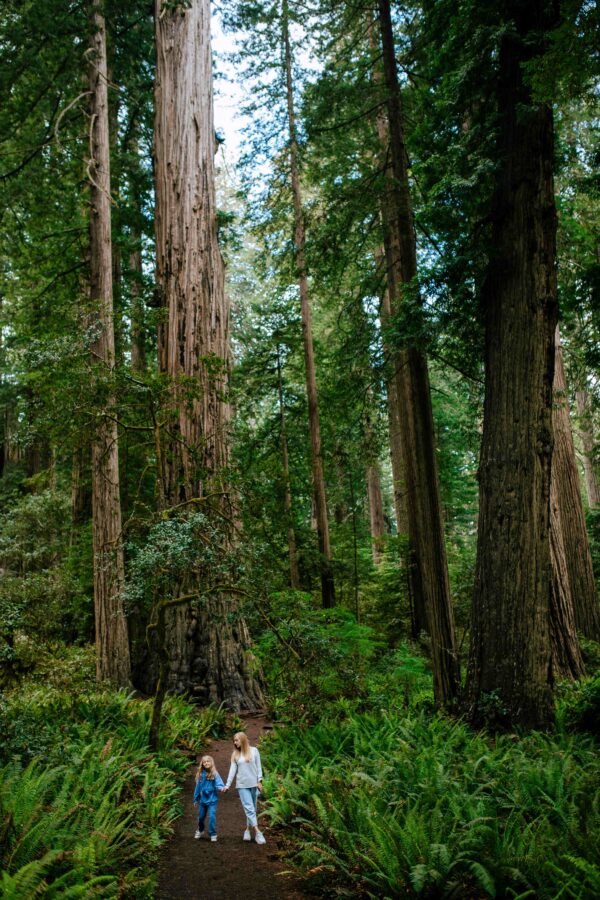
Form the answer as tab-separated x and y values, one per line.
247	770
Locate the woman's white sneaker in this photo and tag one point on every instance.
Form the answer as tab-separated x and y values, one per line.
247	835
260	838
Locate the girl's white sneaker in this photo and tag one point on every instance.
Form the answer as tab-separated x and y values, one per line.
260	838
247	835
213	837
198	833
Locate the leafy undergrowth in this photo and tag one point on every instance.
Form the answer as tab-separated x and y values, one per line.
83	804
397	802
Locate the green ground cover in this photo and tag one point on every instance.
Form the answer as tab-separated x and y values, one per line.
84	805
389	800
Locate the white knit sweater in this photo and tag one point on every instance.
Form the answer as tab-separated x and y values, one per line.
248	771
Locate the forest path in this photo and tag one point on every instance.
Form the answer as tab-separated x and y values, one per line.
192	869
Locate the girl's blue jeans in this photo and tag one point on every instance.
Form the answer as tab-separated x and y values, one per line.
211	809
248	799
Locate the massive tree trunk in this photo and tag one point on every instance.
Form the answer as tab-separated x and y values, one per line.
285	465
418	438
208	647
327	583
112	645
510	669
586	433
565	475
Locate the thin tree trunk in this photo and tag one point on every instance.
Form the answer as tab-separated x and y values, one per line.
116	252
376	512
112	644
586	432
384	260
394	425
510	668
418	438
208	647
3	409
327	583
138	328
391	259
285	462
136	273
81	495
374	494
354	550
566	653
578	558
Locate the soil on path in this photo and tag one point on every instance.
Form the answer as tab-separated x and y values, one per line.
192	869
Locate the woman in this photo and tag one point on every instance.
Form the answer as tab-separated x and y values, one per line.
247	770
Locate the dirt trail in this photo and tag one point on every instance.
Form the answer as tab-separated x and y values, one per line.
192	869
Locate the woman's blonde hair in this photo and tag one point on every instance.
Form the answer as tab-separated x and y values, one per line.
245	748
211	772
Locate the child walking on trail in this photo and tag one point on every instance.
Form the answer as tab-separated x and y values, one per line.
206	796
247	770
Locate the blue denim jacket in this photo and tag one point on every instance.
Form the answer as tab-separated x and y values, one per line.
207	791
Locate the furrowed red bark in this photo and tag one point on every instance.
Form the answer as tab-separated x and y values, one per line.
510	667
565	476
586	431
208	647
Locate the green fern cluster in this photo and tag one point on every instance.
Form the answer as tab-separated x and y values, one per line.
388	804
83	803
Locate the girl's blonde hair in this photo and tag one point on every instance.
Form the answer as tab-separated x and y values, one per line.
211	772
245	748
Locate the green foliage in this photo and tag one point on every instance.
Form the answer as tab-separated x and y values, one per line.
575	878
582	708
83	804
311	656
390	803
42	598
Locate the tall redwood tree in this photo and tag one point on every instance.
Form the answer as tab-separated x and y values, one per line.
426	533
510	667
208	647
113	660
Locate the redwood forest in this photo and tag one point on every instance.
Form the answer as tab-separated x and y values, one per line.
300	440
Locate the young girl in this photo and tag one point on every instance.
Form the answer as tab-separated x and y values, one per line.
246	767
206	796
